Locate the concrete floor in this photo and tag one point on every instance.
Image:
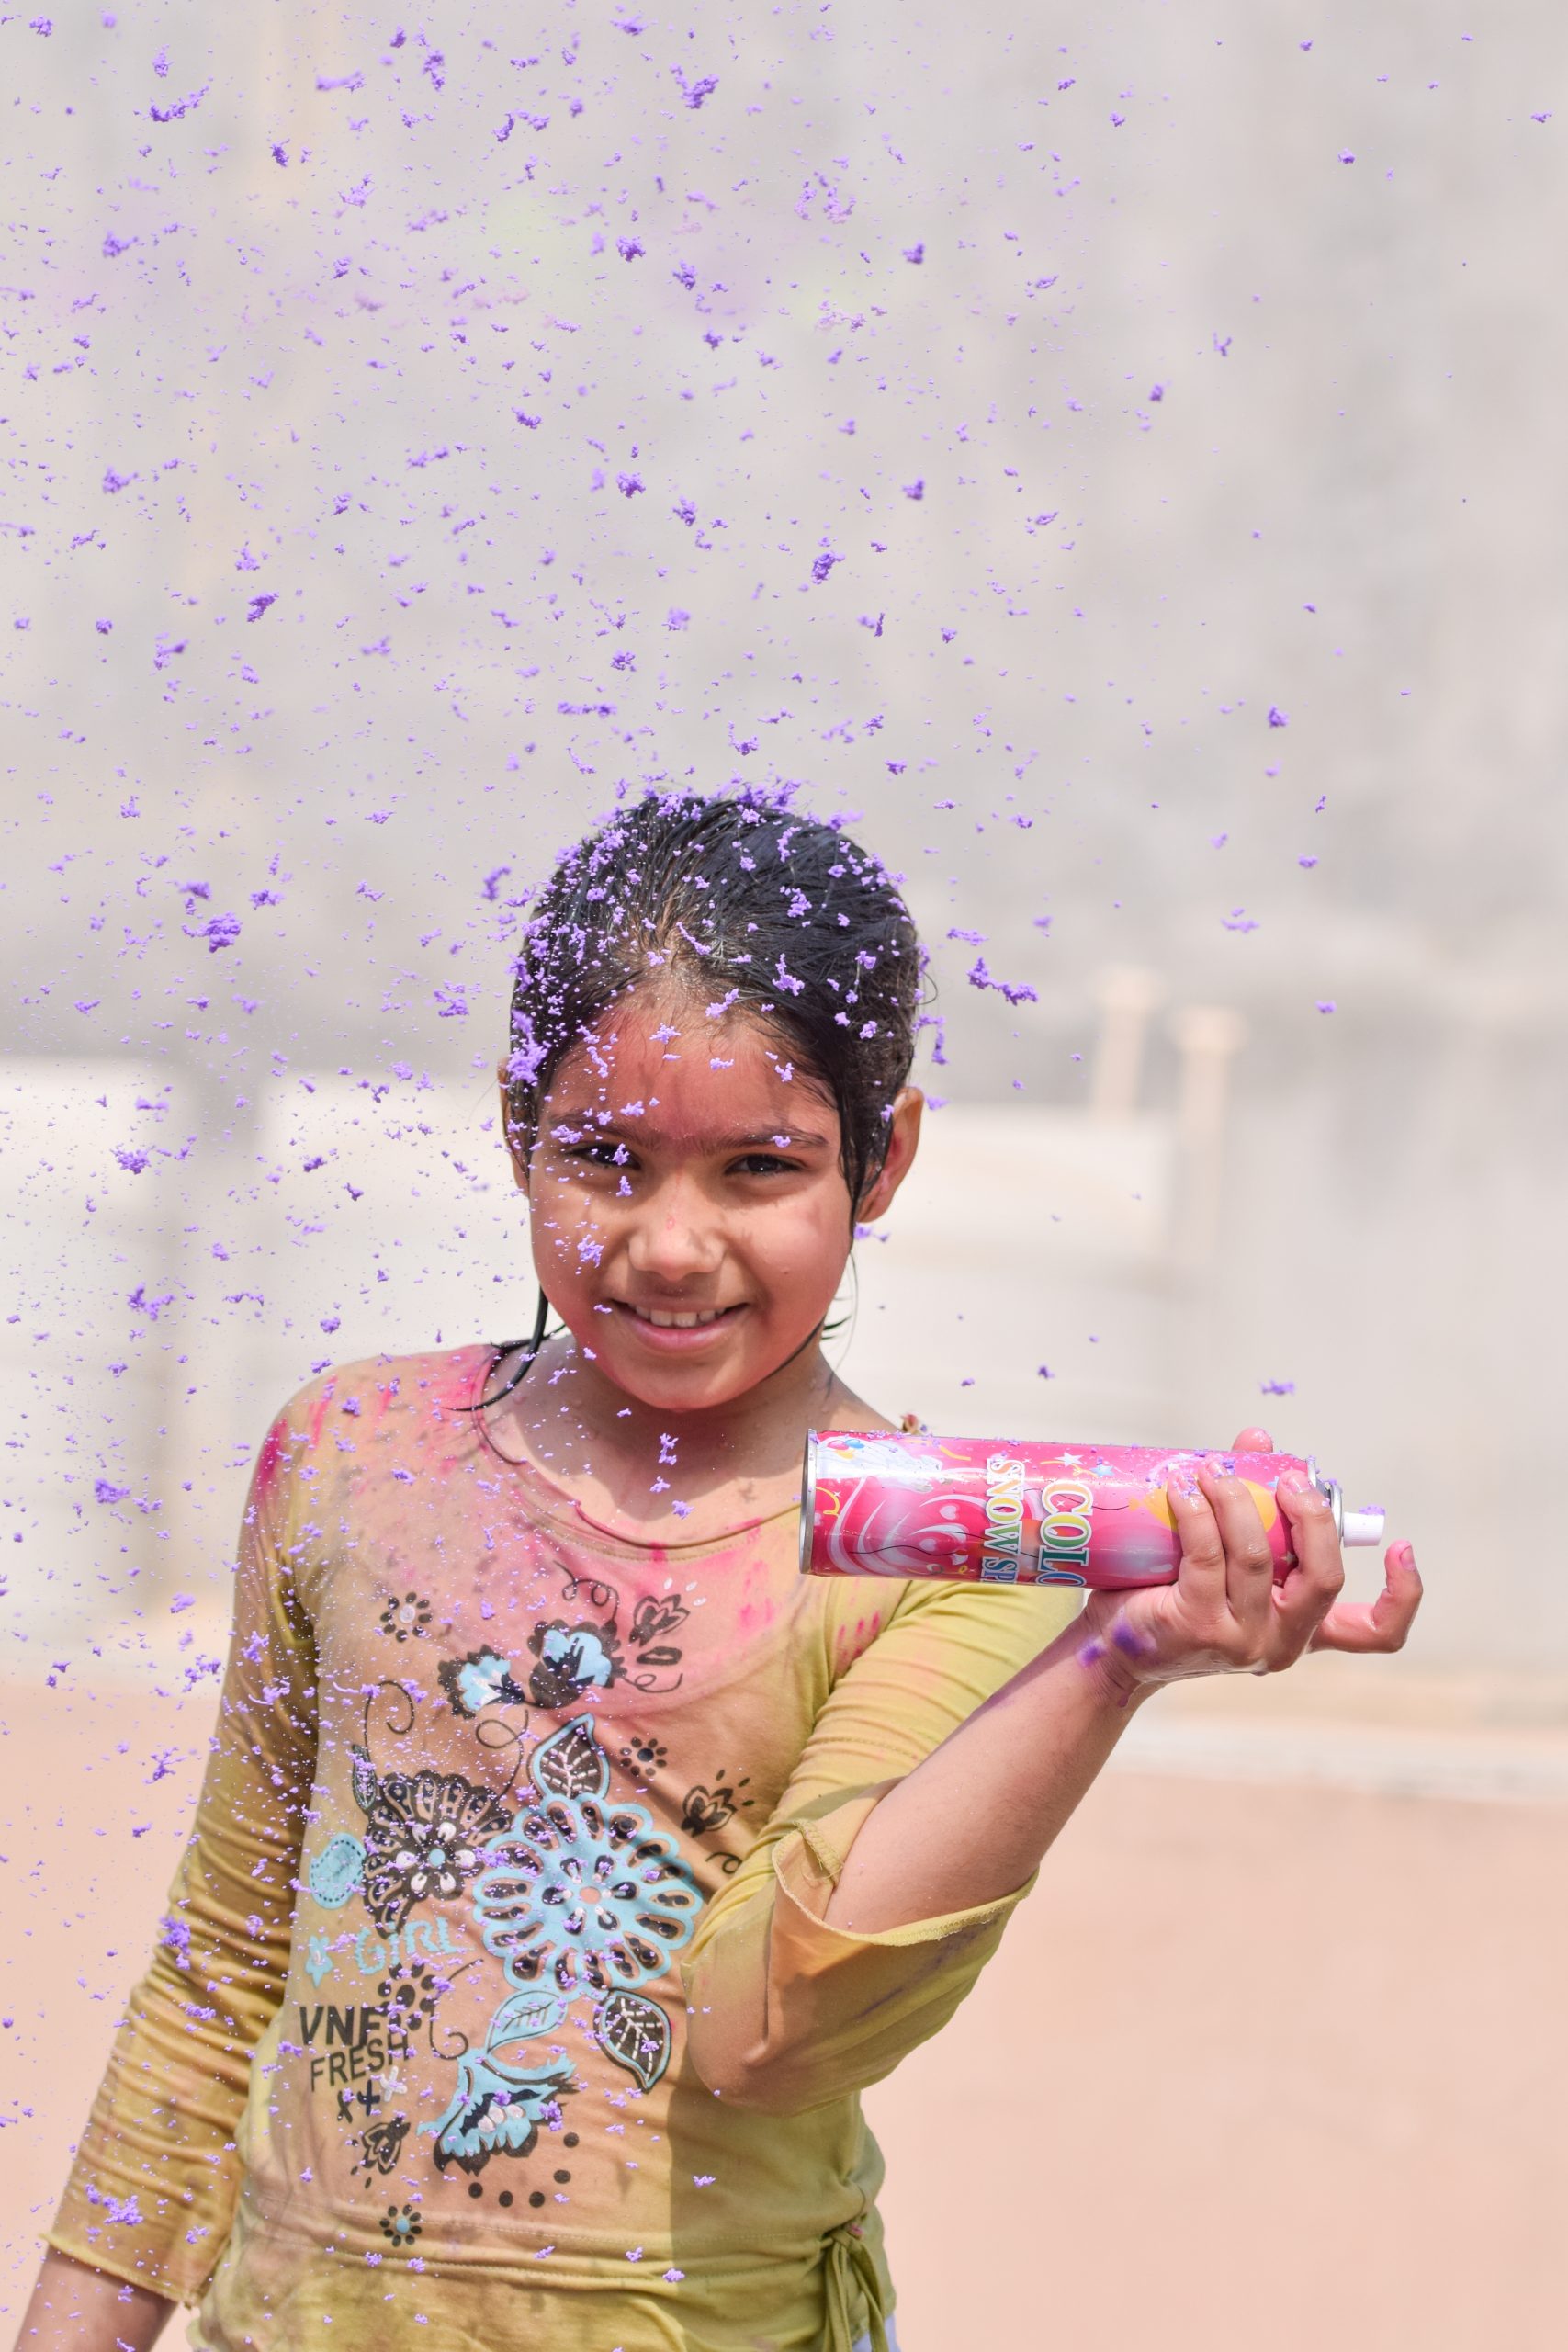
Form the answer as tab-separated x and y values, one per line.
1276	2059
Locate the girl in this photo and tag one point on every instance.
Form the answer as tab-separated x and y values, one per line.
567	1863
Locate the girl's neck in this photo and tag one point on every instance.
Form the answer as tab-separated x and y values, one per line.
686	1478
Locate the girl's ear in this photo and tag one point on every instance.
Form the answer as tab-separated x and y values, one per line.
516	1141
902	1144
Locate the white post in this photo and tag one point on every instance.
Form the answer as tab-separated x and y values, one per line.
1128	994
1208	1037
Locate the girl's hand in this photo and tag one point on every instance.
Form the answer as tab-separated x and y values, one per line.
1224	1614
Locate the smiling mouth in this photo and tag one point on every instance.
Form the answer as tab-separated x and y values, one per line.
659	1319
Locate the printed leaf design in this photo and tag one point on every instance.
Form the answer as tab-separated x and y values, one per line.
365	1782
635	2032
522	2017
571	1763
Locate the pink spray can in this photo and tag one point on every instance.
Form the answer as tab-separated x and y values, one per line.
995	1510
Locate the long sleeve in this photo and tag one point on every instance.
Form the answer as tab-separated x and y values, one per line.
151	2193
834	2010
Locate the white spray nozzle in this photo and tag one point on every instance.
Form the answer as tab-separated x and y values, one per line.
1364	1526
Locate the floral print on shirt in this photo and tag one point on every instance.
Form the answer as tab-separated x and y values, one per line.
422	1842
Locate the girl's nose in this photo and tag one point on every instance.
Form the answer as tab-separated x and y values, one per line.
676	1237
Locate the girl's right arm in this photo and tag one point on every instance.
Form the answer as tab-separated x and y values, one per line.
72	2305
151	2196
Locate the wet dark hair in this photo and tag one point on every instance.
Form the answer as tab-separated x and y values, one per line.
740	907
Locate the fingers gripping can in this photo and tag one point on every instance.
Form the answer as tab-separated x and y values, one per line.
995	1510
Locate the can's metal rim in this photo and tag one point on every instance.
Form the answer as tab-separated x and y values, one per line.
1331	1491
807	1500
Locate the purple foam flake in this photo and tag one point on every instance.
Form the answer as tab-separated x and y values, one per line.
219	931
1015	993
181	106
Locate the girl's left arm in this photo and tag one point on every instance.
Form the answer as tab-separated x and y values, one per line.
872	1909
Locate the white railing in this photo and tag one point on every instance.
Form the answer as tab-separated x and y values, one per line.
168	1292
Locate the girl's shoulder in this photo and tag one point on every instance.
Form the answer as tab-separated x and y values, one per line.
381	1402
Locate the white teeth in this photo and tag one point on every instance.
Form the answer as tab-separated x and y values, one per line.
679	1322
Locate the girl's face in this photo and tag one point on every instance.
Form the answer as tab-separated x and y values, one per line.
690	1218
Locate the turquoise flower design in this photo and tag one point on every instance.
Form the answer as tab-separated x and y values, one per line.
572	1658
482	1679
497	2111
585	1893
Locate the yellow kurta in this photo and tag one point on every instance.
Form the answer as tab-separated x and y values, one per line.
495	1795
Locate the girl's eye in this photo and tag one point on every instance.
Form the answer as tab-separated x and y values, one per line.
764	1163
601	1155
